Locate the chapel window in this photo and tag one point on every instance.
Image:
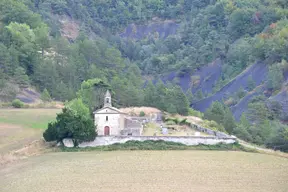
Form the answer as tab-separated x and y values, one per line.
106	118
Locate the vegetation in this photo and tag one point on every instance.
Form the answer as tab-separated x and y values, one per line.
34	51
45	96
142	114
17	103
71	124
260	125
28	118
159	145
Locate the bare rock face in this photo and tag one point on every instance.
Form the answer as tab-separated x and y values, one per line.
28	95
69	28
68	143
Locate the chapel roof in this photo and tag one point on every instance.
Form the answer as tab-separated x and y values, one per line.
115	110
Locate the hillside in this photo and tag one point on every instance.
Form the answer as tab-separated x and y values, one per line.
221	57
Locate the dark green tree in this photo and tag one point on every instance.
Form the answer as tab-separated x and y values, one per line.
70	125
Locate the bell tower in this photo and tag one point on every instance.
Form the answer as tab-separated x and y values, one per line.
107	99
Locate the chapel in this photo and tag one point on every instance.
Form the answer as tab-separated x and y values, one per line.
111	121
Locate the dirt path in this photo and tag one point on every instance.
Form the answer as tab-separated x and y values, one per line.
262	150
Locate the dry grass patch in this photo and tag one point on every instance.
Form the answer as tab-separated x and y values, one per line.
147	171
137	110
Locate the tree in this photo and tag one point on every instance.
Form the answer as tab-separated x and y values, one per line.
45	96
251	84
92	93
180	101
241	93
21	78
275	77
171	109
150	94
70	125
78	107
258	112
216	112
241	130
41	37
189	96
199	95
229	121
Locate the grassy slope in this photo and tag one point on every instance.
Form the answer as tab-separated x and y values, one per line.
28	118
19	127
147	171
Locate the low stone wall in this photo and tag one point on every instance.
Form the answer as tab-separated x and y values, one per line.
209	131
187	140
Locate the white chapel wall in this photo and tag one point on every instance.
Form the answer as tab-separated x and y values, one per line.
113	122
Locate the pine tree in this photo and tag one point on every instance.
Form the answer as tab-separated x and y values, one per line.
189	96
275	77
251	84
216	112
150	95
21	78
229	121
199	95
171	109
45	96
181	101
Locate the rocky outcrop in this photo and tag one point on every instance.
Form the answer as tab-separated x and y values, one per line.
28	96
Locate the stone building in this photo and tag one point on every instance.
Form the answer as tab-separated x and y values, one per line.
111	121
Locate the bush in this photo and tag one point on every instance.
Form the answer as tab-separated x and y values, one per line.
142	114
195	113
16	103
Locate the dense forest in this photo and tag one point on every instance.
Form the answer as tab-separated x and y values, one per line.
34	52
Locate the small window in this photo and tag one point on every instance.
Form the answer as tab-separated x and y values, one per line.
107	100
106	118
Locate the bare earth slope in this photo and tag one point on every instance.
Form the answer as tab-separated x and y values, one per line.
148	171
258	72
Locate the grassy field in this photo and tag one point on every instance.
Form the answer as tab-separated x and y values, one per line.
28	118
147	171
19	127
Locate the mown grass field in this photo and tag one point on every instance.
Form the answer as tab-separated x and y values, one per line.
21	126
147	171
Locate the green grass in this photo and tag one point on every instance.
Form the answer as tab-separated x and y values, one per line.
28	118
160	145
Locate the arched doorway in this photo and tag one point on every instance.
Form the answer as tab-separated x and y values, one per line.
106	130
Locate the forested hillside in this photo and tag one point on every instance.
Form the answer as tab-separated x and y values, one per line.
68	47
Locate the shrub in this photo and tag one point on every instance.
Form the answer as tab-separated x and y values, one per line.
142	114
195	113
17	103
